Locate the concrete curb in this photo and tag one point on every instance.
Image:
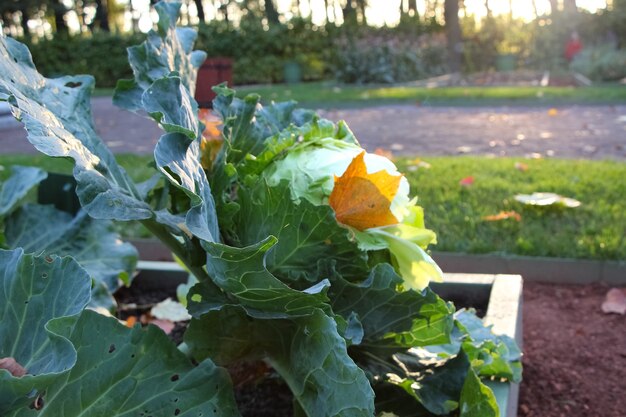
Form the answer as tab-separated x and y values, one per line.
537	269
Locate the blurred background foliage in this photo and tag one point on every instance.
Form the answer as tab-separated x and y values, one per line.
90	36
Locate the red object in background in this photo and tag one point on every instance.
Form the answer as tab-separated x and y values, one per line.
573	47
212	72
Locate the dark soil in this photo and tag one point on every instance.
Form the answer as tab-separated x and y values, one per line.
574	355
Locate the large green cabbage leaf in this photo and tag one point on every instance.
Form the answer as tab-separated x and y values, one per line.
80	363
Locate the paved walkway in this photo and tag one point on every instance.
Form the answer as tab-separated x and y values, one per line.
589	132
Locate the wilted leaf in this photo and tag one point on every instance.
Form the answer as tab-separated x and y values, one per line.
615	301
363	200
546	199
467	181
503	215
170	310
520	166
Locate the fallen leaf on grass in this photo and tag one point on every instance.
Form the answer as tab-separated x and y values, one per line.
12	366
520	166
553	112
615	302
546	199
467	181
464	149
503	215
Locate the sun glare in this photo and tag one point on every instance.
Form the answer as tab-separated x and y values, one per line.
387	12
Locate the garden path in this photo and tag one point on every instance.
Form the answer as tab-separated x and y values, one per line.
580	131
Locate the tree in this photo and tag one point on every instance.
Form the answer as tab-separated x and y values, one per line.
101	19
569	6
453	33
59	10
554	6
270	12
487	8
361	5
200	10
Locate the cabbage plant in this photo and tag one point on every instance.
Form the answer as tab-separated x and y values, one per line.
318	269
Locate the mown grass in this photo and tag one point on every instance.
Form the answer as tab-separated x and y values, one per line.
595	230
328	95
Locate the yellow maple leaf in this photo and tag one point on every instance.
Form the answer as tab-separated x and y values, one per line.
363	200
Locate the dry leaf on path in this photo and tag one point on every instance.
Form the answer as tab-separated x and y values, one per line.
615	301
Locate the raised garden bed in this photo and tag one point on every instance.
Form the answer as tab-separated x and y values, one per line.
497	298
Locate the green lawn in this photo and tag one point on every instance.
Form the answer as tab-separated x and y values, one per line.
331	95
595	230
328	95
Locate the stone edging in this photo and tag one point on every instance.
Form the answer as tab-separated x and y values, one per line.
536	269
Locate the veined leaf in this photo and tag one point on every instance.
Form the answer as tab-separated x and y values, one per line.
57	116
247	124
477	399
167	50
93	243
241	273
21	181
441	389
392	320
307	352
128	372
85	364
33	291
306	233
179	160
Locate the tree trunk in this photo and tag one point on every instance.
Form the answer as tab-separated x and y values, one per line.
554	6
402	12
487	8
569	6
510	9
270	12
535	11
413	7
200	9
24	20
349	14
453	33
59	17
102	15
361	5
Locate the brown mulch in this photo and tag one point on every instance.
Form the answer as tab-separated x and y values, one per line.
574	355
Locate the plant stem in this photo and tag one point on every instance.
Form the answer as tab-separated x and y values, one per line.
177	248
